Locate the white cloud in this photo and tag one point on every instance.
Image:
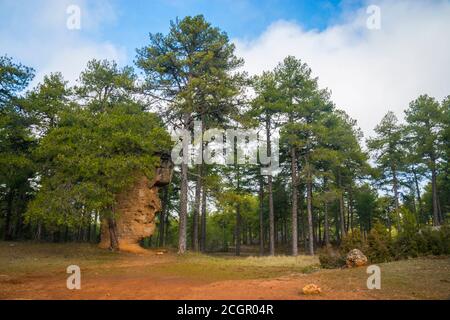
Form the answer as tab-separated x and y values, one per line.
368	71
35	33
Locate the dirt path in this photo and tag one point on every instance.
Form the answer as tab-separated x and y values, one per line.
128	287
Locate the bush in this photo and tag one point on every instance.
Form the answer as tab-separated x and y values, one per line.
432	241
352	240
428	241
406	247
379	244
379	247
331	259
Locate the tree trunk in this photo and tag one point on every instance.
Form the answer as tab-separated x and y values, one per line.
95	225
261	216
195	222
114	241
244	232
441	217
203	221
19	227
294	202
350	208
341	207
342	214
314	221
319	231
436	221
270	193
419	198
182	232
271	218
162	217
66	234
166	236
389	225
326	230
9	211
309	208
38	232
238	230
302	221
396	201
238	215
337	225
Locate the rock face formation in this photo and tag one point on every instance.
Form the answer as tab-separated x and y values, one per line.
137	208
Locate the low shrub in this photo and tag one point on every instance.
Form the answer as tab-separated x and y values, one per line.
331	259
427	241
406	247
378	245
433	241
353	240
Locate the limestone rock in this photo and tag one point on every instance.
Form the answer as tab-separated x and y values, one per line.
355	258
137	208
311	289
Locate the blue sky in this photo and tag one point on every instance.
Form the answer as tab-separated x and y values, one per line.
239	18
243	19
368	71
129	22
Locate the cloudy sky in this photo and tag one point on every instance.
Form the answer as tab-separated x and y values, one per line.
369	71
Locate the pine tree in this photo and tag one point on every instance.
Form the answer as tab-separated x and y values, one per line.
190	70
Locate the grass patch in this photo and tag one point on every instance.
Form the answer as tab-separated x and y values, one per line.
420	278
45	258
30	257
216	268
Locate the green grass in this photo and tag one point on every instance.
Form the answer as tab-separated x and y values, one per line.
420	278
30	257
207	267
43	258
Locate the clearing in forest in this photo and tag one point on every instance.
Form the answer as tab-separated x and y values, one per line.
38	271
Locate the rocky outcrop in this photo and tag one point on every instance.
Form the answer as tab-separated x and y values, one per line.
136	211
355	258
311	289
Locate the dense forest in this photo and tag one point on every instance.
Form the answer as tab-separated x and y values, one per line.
67	151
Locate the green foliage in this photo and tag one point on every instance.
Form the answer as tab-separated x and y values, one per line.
90	158
14	77
426	127
353	240
428	241
16	143
46	102
379	244
366	205
193	68
331	259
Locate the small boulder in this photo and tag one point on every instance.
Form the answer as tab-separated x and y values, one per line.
355	258
311	289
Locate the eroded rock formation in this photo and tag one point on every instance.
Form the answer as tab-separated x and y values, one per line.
136	211
355	258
